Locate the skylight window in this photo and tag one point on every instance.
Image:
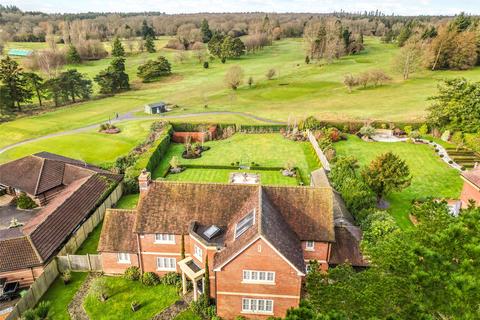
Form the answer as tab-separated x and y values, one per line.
211	232
244	224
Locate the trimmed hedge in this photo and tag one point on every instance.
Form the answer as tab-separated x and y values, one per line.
149	160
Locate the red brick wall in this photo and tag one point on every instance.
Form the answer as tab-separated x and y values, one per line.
151	250
24	276
111	265
469	192
319	253
259	256
181	137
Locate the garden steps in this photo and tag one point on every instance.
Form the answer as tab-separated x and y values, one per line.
175	309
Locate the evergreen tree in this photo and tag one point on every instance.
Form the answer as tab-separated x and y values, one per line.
114	79
73	84
35	84
182	247
117	48
206	291
150	45
72	55
154	69
147	31
215	45
232	48
386	173
5	101
53	89
205	30
15	83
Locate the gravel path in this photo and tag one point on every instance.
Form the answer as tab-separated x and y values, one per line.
75	307
130	117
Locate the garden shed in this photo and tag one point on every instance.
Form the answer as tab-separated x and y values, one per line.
155	108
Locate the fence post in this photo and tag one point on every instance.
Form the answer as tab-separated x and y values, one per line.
69	262
89	262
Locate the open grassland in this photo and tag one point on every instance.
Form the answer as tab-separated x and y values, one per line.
92	147
431	176
299	89
267	150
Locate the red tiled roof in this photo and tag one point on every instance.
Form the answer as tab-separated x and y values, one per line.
117	232
17	253
473	176
56	222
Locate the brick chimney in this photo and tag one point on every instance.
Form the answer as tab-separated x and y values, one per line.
144	181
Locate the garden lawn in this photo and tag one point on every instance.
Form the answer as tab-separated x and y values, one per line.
188	315
60	295
91	146
123	292
267	150
223	176
90	244
298	89
128	201
431	176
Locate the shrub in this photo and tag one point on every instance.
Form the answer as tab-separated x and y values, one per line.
43	309
150	279
171	278
25	202
270	74
30	314
100	289
132	273
367	131
66	277
206	65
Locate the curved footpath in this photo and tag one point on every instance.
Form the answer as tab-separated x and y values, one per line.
130	117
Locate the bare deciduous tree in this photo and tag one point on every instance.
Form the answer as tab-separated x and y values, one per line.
234	77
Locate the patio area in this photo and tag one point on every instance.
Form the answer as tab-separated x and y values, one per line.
10	213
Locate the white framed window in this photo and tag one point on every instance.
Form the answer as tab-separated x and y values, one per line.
166	264
123	257
198	252
253	276
310	245
257	306
164	238
244	224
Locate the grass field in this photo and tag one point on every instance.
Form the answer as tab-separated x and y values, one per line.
60	295
431	176
268	150
187	315
299	90
92	146
152	299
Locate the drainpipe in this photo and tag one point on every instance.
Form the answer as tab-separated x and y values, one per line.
140	258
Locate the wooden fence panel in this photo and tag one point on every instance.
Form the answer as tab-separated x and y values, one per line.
89	262
318	151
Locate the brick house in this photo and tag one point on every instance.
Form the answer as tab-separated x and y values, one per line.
258	240
67	190
471	187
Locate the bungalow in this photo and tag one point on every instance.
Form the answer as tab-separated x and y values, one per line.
258	240
471	187
66	190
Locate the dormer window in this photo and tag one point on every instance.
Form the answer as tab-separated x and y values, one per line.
244	224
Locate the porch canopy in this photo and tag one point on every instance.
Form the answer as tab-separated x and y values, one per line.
194	272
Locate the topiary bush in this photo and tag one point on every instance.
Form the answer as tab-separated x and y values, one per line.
43	309
132	273
25	202
150	279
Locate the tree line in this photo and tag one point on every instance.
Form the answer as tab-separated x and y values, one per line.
19	88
